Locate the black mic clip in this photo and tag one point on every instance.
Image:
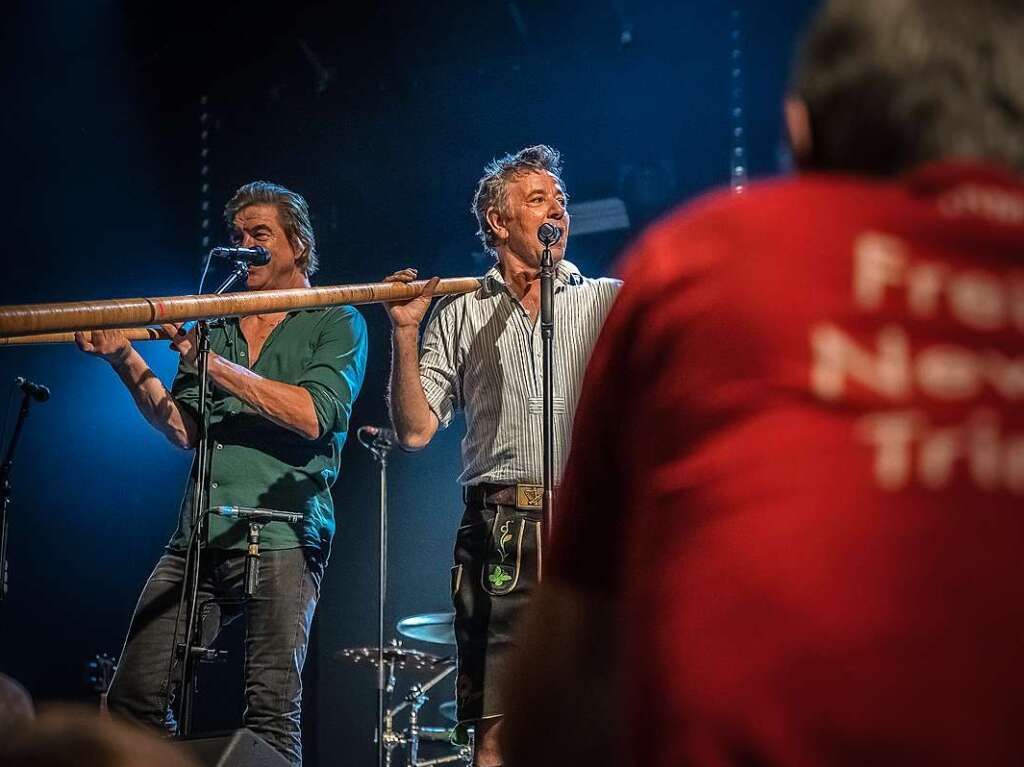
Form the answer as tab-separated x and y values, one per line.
38	392
377	439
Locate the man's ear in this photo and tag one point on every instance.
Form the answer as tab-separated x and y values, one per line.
798	129
301	252
497	223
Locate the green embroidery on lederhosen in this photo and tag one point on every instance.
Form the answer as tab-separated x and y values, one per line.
500	575
504	537
501	570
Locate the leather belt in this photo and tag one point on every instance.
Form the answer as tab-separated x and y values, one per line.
519	496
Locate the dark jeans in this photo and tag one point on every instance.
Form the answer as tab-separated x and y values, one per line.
278	618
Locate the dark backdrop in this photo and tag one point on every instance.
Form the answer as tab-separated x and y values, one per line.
383	116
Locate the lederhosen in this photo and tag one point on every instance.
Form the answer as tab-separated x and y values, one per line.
498	563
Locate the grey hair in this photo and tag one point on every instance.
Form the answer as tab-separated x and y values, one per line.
492	189
890	84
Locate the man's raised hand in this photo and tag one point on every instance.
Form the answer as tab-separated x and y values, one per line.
410	313
111	345
184	342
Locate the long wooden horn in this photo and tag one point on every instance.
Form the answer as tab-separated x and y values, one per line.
60	320
133	334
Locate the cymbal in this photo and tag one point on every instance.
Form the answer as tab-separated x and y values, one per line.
449	711
403	657
438	628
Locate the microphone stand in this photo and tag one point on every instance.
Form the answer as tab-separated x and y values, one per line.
379	448
192	649
5	489
252	559
547	334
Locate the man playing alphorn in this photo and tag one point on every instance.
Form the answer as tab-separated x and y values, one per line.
283	389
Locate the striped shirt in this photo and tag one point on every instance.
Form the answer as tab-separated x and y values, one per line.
482	353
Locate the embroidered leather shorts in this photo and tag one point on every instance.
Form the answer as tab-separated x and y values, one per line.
497	565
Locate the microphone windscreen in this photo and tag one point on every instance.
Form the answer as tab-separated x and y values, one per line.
549	234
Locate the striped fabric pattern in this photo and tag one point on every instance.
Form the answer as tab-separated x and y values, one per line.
480	353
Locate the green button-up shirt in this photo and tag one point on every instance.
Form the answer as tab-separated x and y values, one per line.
256	463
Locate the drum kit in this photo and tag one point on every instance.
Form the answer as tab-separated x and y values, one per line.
434	628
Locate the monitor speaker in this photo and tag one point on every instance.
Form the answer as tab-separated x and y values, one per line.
240	748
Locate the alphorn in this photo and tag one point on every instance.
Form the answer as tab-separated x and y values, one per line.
57	322
133	334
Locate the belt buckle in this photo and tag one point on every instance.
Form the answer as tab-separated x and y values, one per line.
529	496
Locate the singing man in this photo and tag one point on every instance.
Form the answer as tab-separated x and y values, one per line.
481	353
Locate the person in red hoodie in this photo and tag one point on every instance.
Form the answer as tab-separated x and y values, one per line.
791	530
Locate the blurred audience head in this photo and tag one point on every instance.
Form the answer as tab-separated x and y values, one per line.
16	709
881	86
75	736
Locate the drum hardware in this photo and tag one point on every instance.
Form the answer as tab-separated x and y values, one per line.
449	710
435	734
99	672
398	658
436	628
415	699
429	627
465	755
402	658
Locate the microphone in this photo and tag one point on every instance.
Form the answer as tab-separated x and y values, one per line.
257	256
38	392
549	234
256	515
378	434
